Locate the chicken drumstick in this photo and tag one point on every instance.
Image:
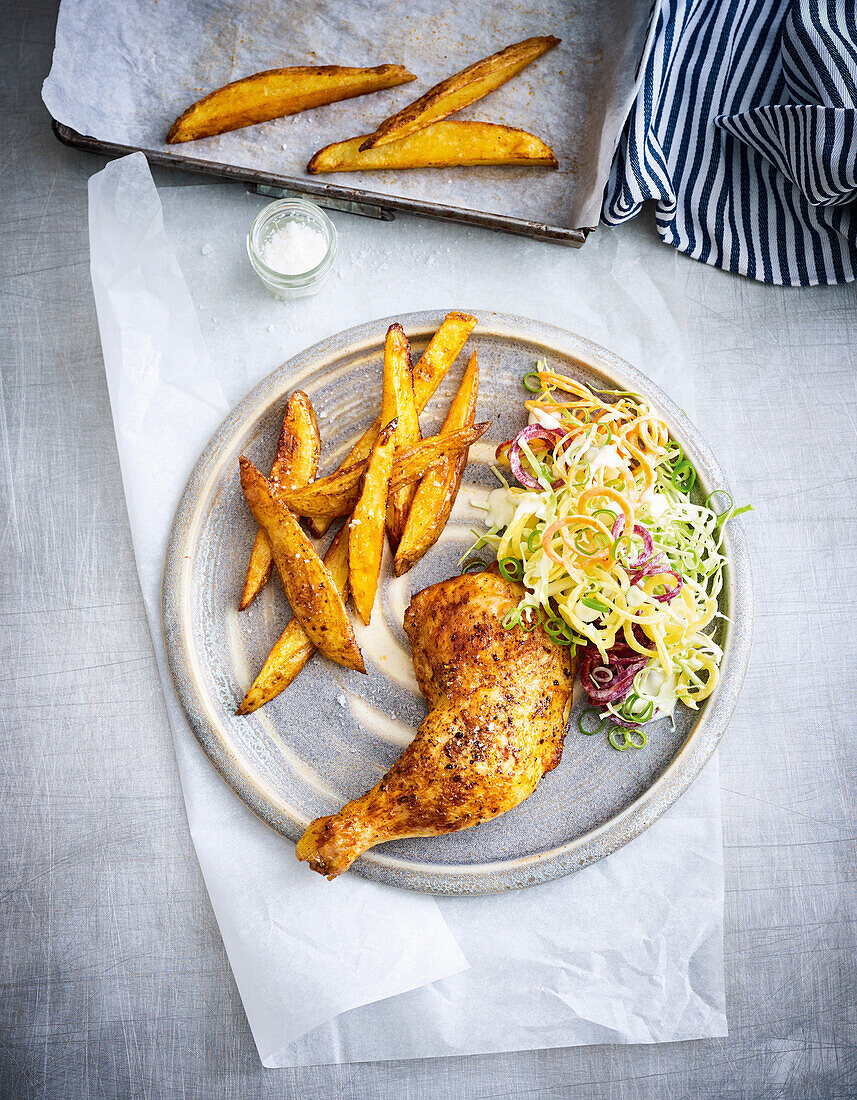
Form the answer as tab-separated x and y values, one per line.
500	701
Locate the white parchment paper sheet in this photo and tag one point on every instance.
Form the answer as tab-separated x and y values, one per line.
629	950
123	70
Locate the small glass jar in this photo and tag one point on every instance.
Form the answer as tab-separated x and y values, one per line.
267	222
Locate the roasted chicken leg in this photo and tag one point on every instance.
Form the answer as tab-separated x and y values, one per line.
499	700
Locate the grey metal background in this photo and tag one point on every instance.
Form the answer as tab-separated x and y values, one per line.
113	979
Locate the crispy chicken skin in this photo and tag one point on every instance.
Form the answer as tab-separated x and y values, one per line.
499	705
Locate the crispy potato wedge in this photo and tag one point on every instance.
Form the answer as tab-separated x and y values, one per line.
366	526
436	493
275	93
441	352
433	365
441	145
315	599
295	464
293	648
358	453
397	403
337	494
460	90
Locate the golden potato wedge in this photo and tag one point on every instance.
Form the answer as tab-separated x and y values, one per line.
295	464
366	526
336	494
441	145
358	453
276	93
460	90
397	403
315	599
293	648
442	351
433	365
436	493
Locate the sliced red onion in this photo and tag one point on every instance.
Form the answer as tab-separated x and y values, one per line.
525	435
649	564
623	664
645	535
670	593
622	668
649	567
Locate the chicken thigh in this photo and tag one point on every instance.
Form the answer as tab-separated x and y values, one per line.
500	701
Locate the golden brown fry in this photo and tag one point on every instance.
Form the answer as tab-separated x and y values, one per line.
460	90
441	352
336	494
429	372
361	450
316	602
397	403
293	648
275	93
295	464
366	526
441	145
435	496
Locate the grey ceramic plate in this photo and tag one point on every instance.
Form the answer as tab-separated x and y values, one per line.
330	736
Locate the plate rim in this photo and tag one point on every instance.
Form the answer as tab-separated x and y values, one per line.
517	872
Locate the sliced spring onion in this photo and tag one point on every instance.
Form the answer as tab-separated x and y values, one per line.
584	718
511	568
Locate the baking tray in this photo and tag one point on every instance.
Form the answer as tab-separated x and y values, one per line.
352	200
103	97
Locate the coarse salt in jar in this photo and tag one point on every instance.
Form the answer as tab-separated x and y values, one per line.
292	247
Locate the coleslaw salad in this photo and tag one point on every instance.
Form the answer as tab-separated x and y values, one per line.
616	559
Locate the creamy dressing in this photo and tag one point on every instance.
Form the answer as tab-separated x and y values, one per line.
501	508
660	688
603	458
482	453
378	643
545	419
656	503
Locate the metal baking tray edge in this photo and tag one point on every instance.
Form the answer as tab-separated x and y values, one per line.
329	195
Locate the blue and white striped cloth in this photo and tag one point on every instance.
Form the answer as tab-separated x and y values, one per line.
745	134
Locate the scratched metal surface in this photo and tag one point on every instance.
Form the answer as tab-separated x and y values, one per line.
113	980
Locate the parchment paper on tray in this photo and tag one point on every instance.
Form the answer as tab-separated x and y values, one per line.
126	84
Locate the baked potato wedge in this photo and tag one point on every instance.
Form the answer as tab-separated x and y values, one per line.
276	93
440	145
366	526
337	494
293	648
460	90
397	403
436	493
295	464
440	354
311	590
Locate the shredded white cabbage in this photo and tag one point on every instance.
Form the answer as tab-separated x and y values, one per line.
578	541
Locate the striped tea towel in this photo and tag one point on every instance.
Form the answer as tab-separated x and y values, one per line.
745	132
